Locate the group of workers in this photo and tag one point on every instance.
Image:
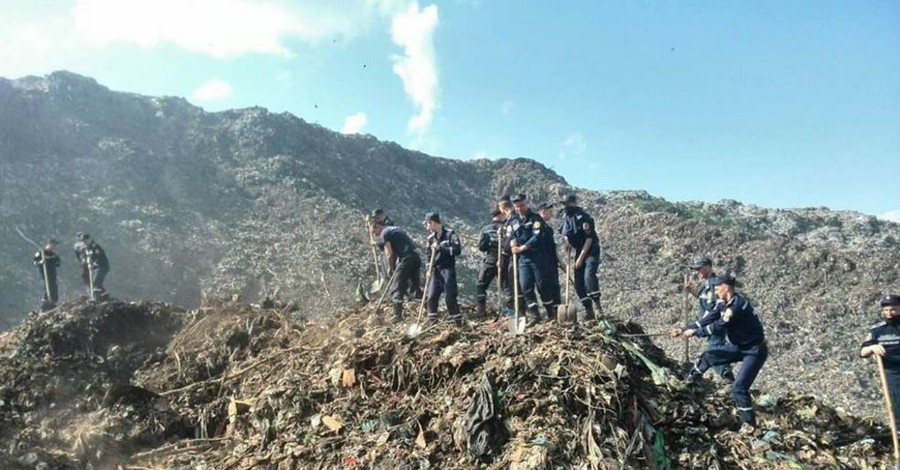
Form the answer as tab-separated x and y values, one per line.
91	258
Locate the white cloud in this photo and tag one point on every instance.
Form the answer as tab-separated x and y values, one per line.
507	106
573	146
355	123
892	216
213	90
413	30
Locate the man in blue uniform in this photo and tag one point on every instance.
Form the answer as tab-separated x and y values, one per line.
48	261
706	297
504	264
579	230
551	258
401	256
488	245
444	242
526	242
884	341
79	255
736	317
98	264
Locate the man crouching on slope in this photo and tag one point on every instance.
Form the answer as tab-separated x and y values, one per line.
747	345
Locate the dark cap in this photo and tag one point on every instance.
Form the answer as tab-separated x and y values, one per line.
52	241
546	205
78	235
504	198
569	200
432	217
85	236
727	279
700	262
376	213
519	198
890	300
496	213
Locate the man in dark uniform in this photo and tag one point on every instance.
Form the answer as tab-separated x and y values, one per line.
884	341
378	216
488	245
706	296
98	263
579	230
79	255
526	242
444	242
736	317
402	257
48	261
504	264
551	258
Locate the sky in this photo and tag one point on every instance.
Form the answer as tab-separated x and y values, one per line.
780	104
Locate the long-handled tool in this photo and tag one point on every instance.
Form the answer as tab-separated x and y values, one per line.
385	291
517	322
499	277
889	407
568	312
416	328
378	283
43	262
687	319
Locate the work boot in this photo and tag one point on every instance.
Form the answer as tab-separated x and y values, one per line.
398	313
458	321
534	317
597	307
728	377
551	312
588	314
480	310
748	417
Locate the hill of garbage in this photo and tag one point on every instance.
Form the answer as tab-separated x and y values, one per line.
146	385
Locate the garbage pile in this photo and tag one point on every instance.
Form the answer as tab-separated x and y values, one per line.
146	385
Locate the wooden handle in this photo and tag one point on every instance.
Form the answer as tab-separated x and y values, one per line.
889	407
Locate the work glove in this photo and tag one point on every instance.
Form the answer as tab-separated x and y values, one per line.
675	332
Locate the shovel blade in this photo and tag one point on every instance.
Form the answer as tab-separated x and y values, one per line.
375	286
562	314
414	330
517	324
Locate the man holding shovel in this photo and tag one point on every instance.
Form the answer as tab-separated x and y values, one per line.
98	266
551	258
578	228
489	246
47	261
444	243
403	263
526	243
884	343
706	297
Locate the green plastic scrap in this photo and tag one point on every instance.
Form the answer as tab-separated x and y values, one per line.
661	375
660	459
767	401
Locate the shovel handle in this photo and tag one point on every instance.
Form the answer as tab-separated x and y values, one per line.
428	275
889	407
384	291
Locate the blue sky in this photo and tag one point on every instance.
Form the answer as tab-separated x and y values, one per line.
781	104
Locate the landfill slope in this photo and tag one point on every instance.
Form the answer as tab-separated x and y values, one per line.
149	385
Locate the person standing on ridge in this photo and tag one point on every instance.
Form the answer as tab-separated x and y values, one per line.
884	341
98	265
527	244
551	258
444	242
579	230
489	245
47	262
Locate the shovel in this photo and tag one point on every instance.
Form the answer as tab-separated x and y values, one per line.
687	319
567	312
378	283
384	293
43	262
416	328
517	322
888	406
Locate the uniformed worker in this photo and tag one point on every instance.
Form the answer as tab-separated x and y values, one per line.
445	244
98	264
47	261
489	246
736	317
706	299
401	257
526	242
504	265
551	258
82	263
884	341
378	216
579	230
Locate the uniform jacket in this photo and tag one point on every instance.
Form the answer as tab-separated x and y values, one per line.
887	335
737	318
448	248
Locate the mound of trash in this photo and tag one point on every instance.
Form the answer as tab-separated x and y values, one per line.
148	385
